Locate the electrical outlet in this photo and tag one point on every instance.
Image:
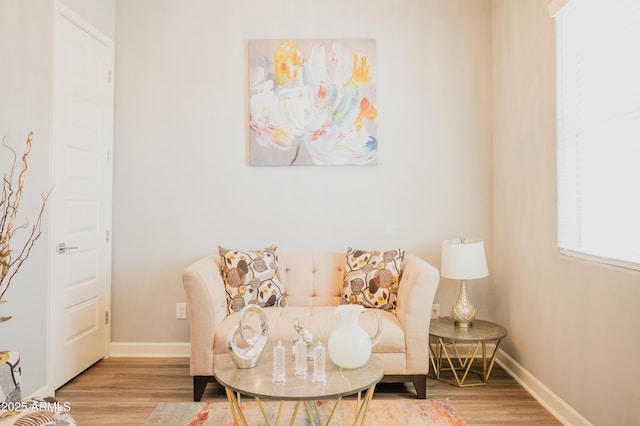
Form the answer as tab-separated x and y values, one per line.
435	310
181	310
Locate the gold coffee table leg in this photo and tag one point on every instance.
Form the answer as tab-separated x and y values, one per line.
236	410
279	412
361	415
361	410
295	413
309	413
333	410
264	412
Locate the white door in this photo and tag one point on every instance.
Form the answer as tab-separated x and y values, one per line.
82	139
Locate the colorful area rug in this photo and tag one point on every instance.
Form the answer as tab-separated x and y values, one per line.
400	412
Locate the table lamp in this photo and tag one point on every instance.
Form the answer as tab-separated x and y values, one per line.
463	260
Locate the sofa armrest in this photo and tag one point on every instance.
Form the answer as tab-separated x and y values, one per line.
416	291
207	305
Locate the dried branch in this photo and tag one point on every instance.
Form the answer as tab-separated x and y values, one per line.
36	232
9	208
7	190
18	195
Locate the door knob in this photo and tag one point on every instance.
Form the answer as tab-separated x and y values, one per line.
62	248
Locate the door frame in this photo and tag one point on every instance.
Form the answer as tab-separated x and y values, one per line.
63	12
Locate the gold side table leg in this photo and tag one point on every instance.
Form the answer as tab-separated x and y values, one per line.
493	359
433	357
465	364
435	353
441	354
468	362
485	377
451	366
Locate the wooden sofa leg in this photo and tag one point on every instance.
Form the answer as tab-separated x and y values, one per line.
199	385
420	383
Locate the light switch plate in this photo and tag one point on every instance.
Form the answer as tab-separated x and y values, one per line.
181	310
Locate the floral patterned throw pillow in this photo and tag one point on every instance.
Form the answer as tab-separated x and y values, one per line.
371	278
251	276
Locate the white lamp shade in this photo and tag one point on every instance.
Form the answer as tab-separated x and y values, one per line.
463	260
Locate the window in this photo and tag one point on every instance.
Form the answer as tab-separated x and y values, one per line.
598	94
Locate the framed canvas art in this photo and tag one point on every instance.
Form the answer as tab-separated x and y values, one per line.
312	102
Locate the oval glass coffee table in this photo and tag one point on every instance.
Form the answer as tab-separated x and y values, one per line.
256	382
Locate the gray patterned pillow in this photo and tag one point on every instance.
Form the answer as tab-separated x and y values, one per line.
371	278
251	276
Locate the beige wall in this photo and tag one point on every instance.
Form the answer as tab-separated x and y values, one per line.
182	183
183	186
572	324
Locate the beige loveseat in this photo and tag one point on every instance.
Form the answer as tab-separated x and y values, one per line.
312	283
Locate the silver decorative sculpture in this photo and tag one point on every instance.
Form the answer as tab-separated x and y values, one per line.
247	353
304	335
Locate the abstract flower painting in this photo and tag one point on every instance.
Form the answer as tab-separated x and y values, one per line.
312	102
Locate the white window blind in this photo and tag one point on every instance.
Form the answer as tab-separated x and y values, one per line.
598	72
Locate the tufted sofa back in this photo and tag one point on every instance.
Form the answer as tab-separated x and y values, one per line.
312	278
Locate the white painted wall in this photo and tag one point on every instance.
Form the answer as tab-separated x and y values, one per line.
26	54
573	324
183	185
25	95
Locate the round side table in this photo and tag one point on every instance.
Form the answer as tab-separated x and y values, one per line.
452	350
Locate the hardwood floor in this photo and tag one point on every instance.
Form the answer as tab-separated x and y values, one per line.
125	391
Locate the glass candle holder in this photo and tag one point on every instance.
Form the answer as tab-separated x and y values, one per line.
279	373
300	355
319	364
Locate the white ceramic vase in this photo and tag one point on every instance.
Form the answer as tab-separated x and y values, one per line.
349	345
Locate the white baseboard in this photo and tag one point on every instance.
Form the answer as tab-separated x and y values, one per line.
151	350
549	400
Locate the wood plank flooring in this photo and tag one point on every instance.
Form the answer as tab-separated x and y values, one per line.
125	391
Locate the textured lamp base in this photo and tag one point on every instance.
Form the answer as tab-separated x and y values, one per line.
463	312
463	324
